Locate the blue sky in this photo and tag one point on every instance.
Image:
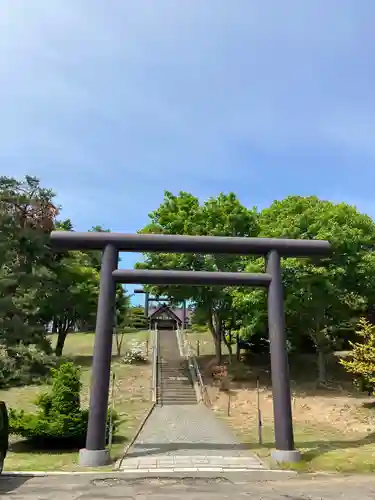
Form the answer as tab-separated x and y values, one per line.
109	102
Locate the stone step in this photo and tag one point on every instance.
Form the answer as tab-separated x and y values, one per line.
176	390
177	394
173	383
180	403
175	378
174	373
167	387
174	393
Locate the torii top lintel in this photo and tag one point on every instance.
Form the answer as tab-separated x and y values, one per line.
71	240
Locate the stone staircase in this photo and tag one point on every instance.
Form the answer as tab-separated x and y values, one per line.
174	385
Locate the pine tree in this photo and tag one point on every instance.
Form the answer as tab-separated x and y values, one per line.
26	217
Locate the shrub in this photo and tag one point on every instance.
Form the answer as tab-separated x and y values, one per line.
362	360
135	355
23	365
60	418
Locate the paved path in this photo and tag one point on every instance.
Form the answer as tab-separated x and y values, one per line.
187	437
105	487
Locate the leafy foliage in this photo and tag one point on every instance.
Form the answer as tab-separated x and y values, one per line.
24	365
220	216
72	294
60	418
39	287
27	214
362	360
322	296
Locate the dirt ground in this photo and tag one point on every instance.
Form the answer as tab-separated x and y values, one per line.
334	425
345	413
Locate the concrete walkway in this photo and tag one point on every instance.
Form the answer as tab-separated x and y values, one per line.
187	437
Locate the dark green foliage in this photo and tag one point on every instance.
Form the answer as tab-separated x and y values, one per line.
25	365
66	387
223	215
60	418
27	215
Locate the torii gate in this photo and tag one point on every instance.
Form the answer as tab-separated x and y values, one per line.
95	453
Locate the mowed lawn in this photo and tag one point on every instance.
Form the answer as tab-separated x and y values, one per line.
132	396
334	426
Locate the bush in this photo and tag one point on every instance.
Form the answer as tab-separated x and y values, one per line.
24	365
362	360
135	355
60	418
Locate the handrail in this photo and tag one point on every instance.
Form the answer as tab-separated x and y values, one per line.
195	367
155	357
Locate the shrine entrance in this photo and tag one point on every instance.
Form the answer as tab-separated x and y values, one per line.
164	318
95	453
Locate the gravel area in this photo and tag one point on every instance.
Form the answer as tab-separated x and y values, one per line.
185	430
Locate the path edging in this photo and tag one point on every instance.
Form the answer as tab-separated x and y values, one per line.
131	442
234	475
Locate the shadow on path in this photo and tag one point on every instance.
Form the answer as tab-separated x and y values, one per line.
149	449
9	483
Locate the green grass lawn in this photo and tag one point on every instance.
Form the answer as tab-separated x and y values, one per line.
132	394
323	448
201	341
334	427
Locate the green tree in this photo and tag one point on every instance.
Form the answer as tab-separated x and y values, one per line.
73	291
72	295
27	215
321	295
220	216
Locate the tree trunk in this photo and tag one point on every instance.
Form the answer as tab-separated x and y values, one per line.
229	347
322	348
216	335
119	340
218	353
54	326
238	350
61	336
322	367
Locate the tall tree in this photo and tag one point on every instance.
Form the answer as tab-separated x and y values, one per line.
27	215
320	294
220	216
72	295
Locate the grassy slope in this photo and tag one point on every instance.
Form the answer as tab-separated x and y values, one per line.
334	427
131	394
